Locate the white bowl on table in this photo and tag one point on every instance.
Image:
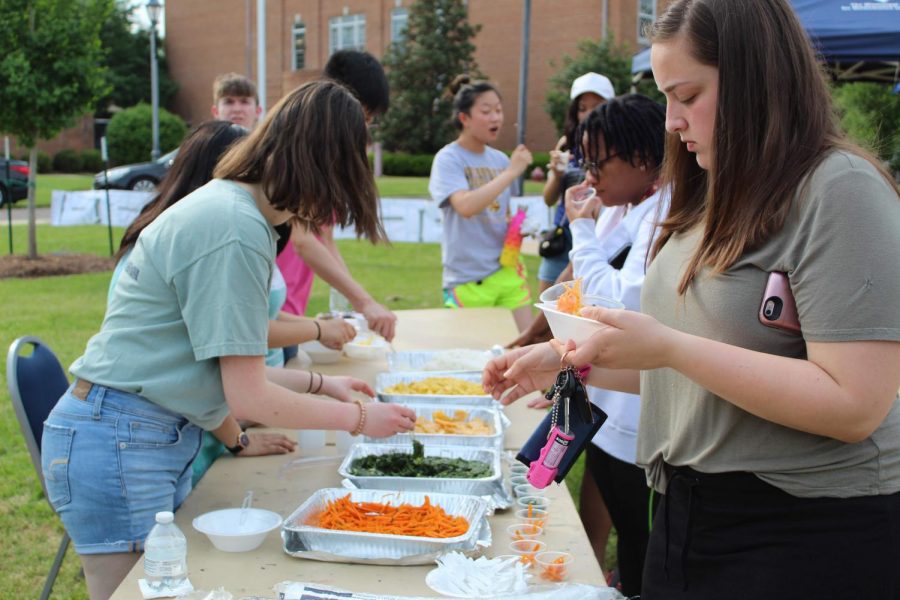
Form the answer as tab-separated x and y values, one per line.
319	354
565	326
366	346
228	533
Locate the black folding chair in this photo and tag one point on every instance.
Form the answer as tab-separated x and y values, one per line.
36	382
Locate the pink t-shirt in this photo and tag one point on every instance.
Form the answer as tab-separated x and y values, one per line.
298	278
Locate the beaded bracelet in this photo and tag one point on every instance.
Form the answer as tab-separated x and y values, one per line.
362	418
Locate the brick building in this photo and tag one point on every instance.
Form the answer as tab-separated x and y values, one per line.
204	39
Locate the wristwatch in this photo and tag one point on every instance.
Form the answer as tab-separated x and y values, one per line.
243	440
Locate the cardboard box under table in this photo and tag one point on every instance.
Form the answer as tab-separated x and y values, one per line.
281	486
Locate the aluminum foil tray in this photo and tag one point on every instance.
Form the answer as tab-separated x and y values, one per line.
306	541
492	415
456	360
492	486
386	380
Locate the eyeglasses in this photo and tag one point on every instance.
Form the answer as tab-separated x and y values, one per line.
595	167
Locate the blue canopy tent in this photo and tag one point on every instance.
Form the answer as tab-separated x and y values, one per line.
859	40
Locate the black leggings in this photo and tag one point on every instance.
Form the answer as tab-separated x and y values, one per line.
732	535
626	495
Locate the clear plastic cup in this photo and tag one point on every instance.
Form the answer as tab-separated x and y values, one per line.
554	566
580	197
535	502
526	550
517	480
524	531
518	469
343	441
536	516
526	489
311	441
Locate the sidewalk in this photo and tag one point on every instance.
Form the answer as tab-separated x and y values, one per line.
20	216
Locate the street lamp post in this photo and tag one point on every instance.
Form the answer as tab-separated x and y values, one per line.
153	9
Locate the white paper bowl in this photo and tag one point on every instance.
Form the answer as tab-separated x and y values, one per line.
366	346
224	530
573	327
552	293
319	354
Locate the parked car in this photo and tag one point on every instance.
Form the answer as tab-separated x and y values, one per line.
141	176
14	188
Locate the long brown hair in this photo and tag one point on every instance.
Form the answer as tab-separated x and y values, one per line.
193	167
309	156
774	124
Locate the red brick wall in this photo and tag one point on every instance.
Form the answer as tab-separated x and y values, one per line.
203	40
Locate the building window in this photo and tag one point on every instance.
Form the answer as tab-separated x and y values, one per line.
298	35
399	19
646	17
347	32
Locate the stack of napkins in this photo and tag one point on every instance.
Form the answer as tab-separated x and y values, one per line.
480	578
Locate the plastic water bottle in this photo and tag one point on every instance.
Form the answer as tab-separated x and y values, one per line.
165	553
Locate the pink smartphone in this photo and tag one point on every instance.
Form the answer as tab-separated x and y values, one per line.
778	308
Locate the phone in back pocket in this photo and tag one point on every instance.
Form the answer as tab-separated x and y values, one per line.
778	308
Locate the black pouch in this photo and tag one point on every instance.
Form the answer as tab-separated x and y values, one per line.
554	242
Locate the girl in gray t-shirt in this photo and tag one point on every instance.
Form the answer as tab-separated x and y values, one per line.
470	181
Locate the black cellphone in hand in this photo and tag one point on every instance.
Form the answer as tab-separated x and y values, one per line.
778	308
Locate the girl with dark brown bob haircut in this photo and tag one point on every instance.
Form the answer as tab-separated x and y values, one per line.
772	434
185	334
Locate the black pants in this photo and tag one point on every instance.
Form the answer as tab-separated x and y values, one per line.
625	492
734	536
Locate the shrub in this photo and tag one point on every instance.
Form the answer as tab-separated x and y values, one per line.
129	134
409	165
870	113
44	162
91	160
68	161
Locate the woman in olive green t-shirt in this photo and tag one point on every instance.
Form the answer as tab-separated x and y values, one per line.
777	450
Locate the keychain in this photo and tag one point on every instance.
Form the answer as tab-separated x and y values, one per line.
568	386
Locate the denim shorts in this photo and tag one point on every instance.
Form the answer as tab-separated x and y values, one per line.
551	267
111	462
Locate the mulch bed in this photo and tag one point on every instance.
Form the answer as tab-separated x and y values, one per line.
53	264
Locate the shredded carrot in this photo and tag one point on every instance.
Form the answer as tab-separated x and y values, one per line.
427	520
555	571
570	300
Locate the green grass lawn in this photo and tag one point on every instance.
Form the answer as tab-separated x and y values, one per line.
389	187
66	311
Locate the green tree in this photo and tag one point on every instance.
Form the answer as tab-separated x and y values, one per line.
437	47
49	72
127	63
870	113
130	138
604	56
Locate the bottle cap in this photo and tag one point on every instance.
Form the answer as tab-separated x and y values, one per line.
165	516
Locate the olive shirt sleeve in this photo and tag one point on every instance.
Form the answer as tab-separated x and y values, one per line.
845	275
227	314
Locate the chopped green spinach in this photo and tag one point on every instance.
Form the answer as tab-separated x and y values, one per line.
401	464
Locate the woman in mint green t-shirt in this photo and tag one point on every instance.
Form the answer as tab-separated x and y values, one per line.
184	338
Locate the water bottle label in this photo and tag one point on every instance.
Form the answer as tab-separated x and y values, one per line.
163	568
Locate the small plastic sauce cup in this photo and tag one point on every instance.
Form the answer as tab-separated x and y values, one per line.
535	516
527	550
535	502
526	489
524	531
553	566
